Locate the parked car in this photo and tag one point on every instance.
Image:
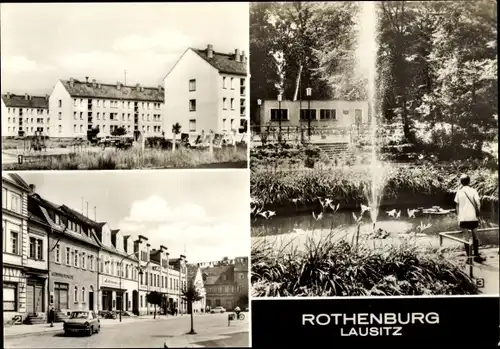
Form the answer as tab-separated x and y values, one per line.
218	310
82	321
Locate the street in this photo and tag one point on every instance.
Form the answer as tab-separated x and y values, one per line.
211	328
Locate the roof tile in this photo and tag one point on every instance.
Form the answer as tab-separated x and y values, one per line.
223	62
19	101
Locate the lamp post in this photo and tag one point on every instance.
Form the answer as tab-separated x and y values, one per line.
308	93
279	117
120	273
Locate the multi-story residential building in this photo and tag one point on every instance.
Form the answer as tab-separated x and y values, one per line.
226	283
195	278
15	243
73	251
207	91
177	283
323	113
24	115
78	106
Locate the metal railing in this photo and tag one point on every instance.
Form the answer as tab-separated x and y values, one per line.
467	243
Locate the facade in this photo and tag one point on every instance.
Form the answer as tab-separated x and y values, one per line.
195	278
207	90
15	244
24	115
323	113
226	283
78	106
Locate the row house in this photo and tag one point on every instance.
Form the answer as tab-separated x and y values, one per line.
77	107
226	283
195	279
25	115
207	91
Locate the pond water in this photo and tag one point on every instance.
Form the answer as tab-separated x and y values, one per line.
341	224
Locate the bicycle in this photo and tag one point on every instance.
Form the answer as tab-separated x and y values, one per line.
240	317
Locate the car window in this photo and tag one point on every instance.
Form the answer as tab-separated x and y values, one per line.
79	315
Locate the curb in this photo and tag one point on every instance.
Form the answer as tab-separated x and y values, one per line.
56	329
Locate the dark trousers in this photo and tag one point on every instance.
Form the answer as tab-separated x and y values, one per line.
475	246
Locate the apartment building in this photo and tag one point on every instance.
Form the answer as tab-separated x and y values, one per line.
15	241
79	106
24	115
207	90
322	113
226	283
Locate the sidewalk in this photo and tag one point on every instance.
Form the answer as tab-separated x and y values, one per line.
28	330
208	334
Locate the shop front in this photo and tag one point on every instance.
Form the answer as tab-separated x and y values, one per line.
116	295
14	294
36	301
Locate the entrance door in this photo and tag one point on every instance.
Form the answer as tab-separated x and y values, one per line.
60	296
135	300
30	295
34	297
126	301
91	300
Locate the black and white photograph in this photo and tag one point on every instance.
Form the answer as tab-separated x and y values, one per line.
143	259
110	86
374	149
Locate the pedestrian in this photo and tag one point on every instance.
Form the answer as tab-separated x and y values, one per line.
237	310
51	316
468	208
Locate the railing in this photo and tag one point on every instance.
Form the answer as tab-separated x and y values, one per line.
467	243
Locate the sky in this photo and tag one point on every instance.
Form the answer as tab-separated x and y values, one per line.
42	43
202	213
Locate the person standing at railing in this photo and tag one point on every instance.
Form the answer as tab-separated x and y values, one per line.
468	208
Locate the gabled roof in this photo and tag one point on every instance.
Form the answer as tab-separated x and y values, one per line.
214	275
223	62
192	270
20	101
114	231
82	218
110	91
16	180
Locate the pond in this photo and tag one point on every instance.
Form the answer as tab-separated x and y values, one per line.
300	226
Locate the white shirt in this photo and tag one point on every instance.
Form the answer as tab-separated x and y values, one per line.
466	210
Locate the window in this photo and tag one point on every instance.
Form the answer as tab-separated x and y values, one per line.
74	114
277	113
224	103
75	103
304	114
36	248
84	266
224	128
9	296
192	85
232	103
76	294
192	125
142	301
327	114
60	104
14	203
59	115
68	260
14	241
91	263
74	128
4	198
192	105
232	83
123	116
81	128
58	253
224	82
81	115
61	295
83	294
104	116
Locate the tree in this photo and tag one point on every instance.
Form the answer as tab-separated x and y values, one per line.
92	134
176	129
243	300
154	298
192	293
119	131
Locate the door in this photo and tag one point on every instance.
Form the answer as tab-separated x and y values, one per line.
60	296
38	298
126	301
91	300
30	295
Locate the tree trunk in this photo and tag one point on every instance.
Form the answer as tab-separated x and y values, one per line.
155	311
173	142
297	83
192	319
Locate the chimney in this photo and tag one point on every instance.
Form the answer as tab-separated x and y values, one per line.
118	85
8	95
32	188
46	97
237	56
26	97
99	85
142	89
71	82
87	79
138	87
159	88
243	57
210	51
94	84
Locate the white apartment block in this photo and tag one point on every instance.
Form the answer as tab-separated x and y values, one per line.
78	106
24	115
207	91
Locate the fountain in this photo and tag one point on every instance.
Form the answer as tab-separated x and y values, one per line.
366	57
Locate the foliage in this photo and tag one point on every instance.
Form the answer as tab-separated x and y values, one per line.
158	142
349	184
333	268
155	298
176	128
119	131
243	301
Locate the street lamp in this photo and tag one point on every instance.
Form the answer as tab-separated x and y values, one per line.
308	93
279	117
121	272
